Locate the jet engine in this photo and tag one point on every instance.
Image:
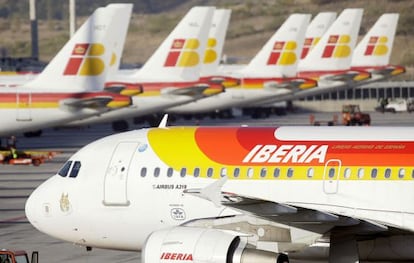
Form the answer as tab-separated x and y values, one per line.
191	244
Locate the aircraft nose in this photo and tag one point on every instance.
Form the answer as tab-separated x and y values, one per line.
37	208
32	208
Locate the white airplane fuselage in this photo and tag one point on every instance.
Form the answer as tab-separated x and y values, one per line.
111	203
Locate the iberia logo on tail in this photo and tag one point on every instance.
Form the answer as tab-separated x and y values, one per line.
308	45
377	46
86	60
183	53
283	53
337	47
210	55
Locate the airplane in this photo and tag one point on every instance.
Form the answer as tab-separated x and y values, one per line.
171	76
371	56
70	87
320	23
269	73
349	186
373	52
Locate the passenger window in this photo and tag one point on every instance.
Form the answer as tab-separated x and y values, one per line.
236	172
347	173
310	172
75	169
387	173
196	172
156	172
223	172
143	171
276	172
170	172
331	173
289	172
374	173
263	172
210	172
250	172
183	172
361	172
65	169
401	173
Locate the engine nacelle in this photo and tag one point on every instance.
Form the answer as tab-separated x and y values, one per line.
202	245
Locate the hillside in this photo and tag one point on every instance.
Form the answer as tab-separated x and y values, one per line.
252	23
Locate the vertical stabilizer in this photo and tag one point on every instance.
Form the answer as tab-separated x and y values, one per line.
119	38
375	48
316	29
181	54
334	51
82	64
215	42
280	55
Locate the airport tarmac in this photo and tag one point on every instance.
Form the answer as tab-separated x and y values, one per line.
17	182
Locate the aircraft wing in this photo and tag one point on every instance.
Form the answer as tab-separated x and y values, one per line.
292	214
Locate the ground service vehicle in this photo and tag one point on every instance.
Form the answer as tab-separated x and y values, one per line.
24	157
19	256
399	105
352	115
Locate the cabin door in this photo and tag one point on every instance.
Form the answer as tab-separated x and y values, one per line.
23	107
331	176
116	177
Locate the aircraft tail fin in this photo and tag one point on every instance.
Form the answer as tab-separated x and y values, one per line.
215	42
375	48
334	51
280	55
119	39
180	55
317	27
82	64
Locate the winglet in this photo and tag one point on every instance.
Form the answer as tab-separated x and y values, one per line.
163	122
211	192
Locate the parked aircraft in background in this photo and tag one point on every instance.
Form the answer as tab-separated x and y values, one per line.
171	76
352	187
70	87
373	52
319	25
267	75
371	55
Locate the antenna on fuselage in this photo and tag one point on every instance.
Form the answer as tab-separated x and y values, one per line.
163	123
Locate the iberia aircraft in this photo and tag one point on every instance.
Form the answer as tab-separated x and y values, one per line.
267	75
371	55
373	52
171	76
319	25
329	61
70	87
351	186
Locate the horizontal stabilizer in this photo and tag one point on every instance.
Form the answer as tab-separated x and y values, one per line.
194	91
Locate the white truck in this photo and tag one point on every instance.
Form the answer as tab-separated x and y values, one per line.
399	105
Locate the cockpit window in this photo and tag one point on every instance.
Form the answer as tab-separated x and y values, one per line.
65	169
75	169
